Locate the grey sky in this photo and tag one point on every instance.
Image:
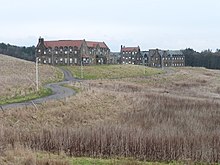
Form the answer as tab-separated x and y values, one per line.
165	24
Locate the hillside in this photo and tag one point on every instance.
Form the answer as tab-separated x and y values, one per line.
164	117
17	77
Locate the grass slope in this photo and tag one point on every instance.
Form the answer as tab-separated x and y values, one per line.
17	79
112	71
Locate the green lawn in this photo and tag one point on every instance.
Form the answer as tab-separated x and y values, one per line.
17	99
91	161
65	160
112	71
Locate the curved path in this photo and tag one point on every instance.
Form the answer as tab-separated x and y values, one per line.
59	92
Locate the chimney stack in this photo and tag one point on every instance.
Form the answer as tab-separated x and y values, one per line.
41	40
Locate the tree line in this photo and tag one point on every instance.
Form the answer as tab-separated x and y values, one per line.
206	58
26	53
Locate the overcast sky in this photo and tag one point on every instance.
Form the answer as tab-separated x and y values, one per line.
164	24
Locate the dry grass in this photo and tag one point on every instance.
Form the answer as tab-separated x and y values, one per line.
160	118
17	76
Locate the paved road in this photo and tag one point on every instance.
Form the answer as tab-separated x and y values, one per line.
59	92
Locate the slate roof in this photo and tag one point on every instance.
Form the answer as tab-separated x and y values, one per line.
175	52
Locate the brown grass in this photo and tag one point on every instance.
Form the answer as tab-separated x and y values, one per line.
146	118
18	76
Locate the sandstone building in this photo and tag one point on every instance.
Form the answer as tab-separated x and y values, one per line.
72	52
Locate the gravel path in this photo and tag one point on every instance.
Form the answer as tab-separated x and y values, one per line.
59	92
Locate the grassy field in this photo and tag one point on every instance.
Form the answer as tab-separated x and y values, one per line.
17	79
112	71
171	117
22	156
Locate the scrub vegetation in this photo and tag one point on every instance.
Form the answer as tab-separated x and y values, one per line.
168	118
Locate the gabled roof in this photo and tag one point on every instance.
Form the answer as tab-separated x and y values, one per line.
94	44
63	43
130	49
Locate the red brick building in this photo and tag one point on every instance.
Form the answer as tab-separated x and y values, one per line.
72	52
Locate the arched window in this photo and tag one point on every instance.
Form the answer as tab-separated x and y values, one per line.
70	49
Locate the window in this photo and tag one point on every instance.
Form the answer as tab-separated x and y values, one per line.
49	60
65	52
45	61
71	60
39	51
56	52
45	52
61	59
65	60
75	60
75	52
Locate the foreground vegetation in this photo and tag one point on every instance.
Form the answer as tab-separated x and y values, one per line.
22	156
161	118
17	79
112	71
17	99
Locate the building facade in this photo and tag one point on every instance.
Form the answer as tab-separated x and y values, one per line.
130	55
72	52
152	58
163	58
